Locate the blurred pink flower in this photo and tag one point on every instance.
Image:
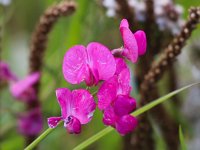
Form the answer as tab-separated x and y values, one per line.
134	44
77	107
90	64
6	74
30	123
23	90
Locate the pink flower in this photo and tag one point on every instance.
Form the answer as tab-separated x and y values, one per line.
114	100
134	44
119	84
30	123
120	66
90	64
5	73
77	107
117	114
23	89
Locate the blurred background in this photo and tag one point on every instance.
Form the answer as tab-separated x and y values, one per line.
94	20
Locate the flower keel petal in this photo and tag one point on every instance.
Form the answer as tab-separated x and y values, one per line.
126	124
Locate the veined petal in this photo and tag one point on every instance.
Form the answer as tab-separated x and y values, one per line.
83	105
126	124
124	105
109	117
140	37
17	89
120	65
124	79
101	61
107	93
53	121
130	44
64	97
75	65
74	126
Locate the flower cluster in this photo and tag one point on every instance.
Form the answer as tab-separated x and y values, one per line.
96	65
30	122
167	14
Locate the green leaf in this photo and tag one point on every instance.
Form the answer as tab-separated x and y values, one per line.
182	140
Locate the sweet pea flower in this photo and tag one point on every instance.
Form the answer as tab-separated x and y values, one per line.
6	74
90	64
77	108
30	123
117	114
23	90
134	43
119	84
114	100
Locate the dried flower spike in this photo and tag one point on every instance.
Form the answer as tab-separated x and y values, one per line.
173	50
39	39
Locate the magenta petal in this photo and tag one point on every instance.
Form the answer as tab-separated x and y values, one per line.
109	117
107	93
140	37
83	105
126	124
124	23
130	44
101	61
124	105
124	78
74	67
64	97
120	65
53	121
74	126
25	86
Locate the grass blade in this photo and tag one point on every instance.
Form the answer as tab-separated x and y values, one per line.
138	112
182	140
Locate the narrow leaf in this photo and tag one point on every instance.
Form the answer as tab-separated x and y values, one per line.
182	140
145	108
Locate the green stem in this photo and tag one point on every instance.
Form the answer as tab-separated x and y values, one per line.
94	138
95	92
40	138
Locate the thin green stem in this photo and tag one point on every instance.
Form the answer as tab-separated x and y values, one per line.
95	92
94	138
40	138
